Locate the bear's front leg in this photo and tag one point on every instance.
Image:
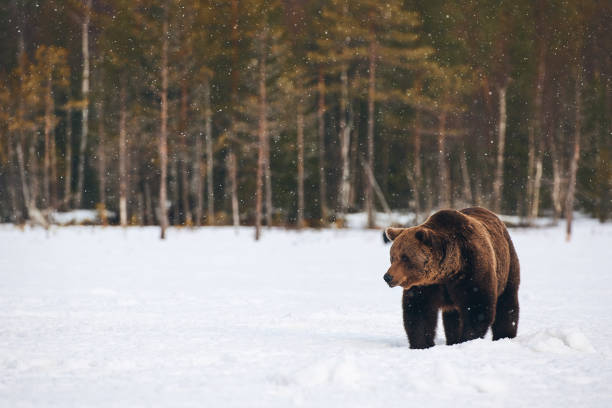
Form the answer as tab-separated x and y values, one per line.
420	305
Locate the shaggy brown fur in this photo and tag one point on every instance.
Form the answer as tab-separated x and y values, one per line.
462	262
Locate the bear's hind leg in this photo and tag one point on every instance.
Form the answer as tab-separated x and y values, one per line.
452	326
420	305
477	311
506	315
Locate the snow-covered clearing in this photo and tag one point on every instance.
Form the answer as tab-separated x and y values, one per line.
93	316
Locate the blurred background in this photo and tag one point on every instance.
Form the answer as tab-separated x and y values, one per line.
333	117
297	113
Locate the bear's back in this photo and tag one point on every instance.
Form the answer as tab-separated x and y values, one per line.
499	238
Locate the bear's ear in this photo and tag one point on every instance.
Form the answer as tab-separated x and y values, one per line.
433	240
428	237
392	233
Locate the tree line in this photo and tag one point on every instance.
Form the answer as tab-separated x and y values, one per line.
296	112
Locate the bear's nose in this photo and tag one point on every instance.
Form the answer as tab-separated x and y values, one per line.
388	278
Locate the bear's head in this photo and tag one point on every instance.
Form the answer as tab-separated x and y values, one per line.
418	257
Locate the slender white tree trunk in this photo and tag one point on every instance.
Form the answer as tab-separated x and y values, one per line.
300	165
28	188
498	182
48	128
150	219
68	160
85	109
209	155
233	173
123	215
530	171
444	176
321	134
556	187
465	174
186	207
535	148
571	189
268	181
12	184
34	173
537	184
101	155
198	171
370	158
173	189
163	134
262	136
345	142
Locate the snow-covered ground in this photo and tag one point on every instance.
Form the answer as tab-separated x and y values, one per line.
93	316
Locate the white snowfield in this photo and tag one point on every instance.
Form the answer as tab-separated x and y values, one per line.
105	317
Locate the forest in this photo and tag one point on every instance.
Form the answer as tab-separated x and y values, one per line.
298	112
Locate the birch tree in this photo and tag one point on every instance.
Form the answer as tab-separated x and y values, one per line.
85	102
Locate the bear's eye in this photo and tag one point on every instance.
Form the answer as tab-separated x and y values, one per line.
392	259
404	258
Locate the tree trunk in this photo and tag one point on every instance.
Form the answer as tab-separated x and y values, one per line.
173	185
376	188
101	156
530	172
233	171
53	190
262	136
85	101
429	198
369	202
345	142
12	182
29	195
231	156
321	134
25	189
259	186
536	138
300	165
354	153
149	218
537	184
478	199
198	171
465	174
141	208
184	166
556	169
417	172
571	188
209	156
354	159
444	176
263	123
498	182
123	214
34	172
268	181
163	134
68	160
47	132
385	153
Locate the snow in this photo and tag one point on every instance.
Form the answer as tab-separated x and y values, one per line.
107	317
359	220
78	216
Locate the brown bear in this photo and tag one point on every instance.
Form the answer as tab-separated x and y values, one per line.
462	262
